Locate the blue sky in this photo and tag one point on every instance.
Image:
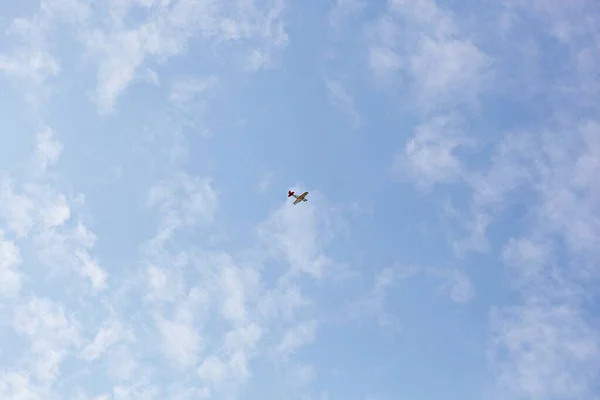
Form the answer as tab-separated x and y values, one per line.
449	247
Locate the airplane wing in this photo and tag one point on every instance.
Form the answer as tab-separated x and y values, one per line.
300	198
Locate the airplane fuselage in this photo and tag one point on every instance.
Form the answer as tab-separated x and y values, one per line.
300	198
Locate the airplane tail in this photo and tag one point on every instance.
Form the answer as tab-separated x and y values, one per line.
290	193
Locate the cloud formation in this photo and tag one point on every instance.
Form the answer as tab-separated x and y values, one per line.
148	249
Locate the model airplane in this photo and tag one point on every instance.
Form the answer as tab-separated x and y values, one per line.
300	198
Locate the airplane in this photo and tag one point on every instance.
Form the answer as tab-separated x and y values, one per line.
300	198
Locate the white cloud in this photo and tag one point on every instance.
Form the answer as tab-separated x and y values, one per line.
373	303
444	68
184	201
185	90
455	283
180	340
561	19
302	375
121	50
224	373
511	173
215	310
90	269
447	72
383	282
10	258
528	257
213	370
384	57
110	334
139	389
575	86
244	316
568	204
55	214
16	209
123	54
475	224
284	301
222	320
67	250
556	169
551	350
233	283
297	337
189	319
303	249
51	333
429	156
36	66
16	385
459	287
30	59
342	10
162	284
265	181
122	365
542	346
341	99
426	14
510	169
42	213
384	61
48	149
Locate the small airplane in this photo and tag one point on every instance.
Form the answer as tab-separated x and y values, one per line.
300	198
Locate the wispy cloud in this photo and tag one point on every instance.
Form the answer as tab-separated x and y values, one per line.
429	157
166	283
185	90
458	286
10	258
342	10
37	67
121	50
341	99
551	351
50	333
304	250
373	303
297	337
440	64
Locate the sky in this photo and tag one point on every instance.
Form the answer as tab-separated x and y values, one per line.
449	248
